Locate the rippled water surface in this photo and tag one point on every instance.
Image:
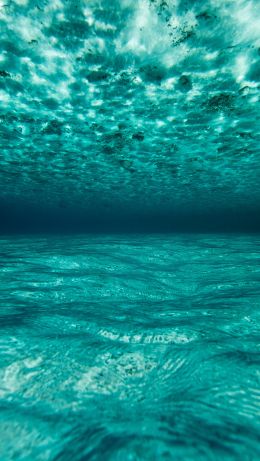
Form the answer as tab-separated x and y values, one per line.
129	348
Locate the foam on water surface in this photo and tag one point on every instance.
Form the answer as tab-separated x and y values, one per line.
130	106
125	116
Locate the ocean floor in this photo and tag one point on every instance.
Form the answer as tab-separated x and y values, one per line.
129	347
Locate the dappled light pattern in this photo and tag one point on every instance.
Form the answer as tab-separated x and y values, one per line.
121	349
130	104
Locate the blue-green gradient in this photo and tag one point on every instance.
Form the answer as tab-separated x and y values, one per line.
120	108
129	230
130	348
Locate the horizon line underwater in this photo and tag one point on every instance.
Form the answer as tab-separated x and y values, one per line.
129	230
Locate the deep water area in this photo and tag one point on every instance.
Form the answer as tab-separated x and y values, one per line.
130	348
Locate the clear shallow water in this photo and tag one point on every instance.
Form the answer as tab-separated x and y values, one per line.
129	348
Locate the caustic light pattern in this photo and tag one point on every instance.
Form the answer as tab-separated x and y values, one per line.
122	349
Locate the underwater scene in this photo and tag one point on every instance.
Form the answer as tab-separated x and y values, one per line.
130	348
129	230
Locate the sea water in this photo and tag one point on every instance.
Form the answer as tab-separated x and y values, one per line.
121	120
147	107
129	347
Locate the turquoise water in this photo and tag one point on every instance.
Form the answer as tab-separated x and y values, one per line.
137	120
130	107
129	348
